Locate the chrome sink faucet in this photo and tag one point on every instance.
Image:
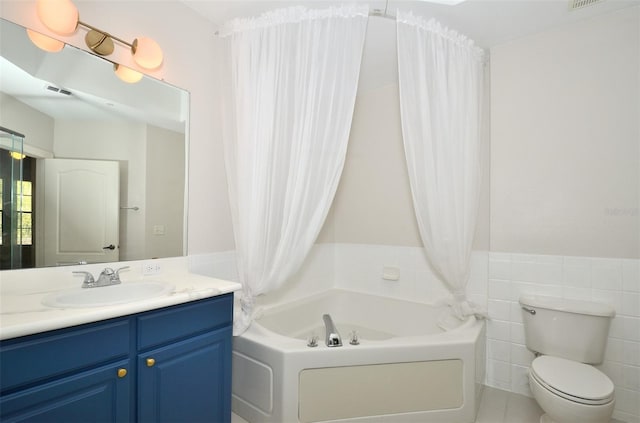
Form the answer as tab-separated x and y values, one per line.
332	337
107	277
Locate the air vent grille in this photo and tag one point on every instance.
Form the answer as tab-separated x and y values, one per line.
579	4
57	90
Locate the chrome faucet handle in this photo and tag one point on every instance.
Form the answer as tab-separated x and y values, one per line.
312	341
353	338
88	280
115	278
118	271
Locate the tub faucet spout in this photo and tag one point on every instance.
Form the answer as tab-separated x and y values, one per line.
333	338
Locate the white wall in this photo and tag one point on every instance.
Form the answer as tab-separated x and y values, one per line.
35	126
373	203
564	166
164	193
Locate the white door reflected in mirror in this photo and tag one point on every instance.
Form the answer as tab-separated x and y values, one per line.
80	209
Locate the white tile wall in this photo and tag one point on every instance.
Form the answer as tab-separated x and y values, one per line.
217	265
359	267
613	281
316	274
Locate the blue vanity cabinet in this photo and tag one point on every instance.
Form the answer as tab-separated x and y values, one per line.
181	382
171	364
184	363
97	395
68	374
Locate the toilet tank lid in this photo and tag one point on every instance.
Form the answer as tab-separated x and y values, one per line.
568	305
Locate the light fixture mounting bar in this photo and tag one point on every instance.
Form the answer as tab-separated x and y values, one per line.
91	27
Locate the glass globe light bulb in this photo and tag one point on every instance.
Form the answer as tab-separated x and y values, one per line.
60	16
44	42
127	74
147	53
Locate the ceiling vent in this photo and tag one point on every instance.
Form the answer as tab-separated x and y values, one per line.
579	4
57	90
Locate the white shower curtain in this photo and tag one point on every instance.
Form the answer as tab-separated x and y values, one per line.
440	79
291	83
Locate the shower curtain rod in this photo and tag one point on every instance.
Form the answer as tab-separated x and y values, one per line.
378	13
11	132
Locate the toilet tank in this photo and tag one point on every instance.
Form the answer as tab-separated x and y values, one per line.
571	329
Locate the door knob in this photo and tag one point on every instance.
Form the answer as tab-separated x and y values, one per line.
150	362
109	247
122	372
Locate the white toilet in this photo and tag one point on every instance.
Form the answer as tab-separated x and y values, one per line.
567	337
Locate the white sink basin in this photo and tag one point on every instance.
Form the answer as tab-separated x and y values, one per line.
107	295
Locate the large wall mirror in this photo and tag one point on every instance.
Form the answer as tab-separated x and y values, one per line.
103	163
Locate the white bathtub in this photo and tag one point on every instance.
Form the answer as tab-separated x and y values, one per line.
405	368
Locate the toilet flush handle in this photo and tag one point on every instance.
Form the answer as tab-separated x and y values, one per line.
529	310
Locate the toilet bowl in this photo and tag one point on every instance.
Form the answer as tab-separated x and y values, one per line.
569	391
568	336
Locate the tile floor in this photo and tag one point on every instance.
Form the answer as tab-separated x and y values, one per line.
496	406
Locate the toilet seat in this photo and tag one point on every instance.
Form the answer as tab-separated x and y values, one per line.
573	381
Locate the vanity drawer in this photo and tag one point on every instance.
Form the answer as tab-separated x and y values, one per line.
174	323
36	358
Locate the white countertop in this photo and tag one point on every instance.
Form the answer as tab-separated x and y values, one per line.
21	294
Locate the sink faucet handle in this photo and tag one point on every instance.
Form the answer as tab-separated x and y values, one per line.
122	268
88	278
116	276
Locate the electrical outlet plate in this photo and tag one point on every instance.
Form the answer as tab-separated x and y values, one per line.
151	268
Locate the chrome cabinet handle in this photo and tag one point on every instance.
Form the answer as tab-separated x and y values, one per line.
529	310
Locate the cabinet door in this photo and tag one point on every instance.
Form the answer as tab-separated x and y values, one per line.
188	381
97	395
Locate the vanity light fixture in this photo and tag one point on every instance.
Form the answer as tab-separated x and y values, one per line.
45	42
62	17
